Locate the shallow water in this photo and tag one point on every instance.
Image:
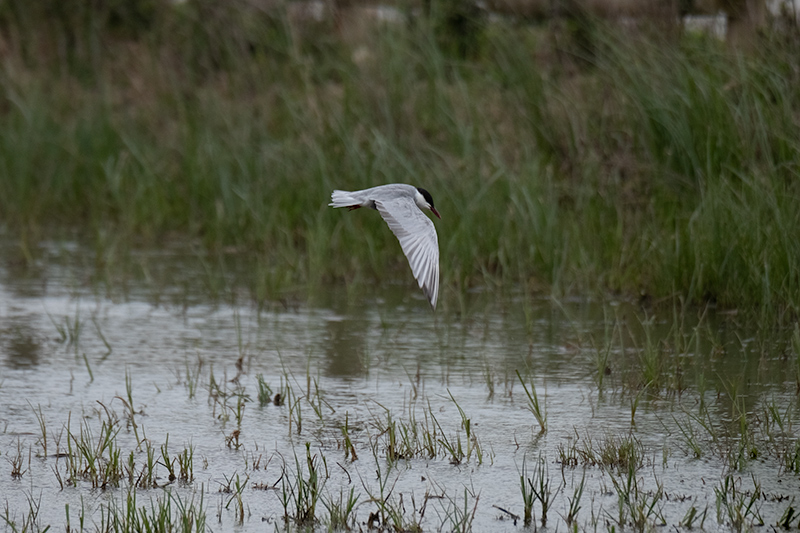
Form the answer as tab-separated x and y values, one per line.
76	348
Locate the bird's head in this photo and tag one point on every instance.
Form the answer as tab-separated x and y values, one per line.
425	201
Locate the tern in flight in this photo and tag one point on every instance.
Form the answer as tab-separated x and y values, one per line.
401	207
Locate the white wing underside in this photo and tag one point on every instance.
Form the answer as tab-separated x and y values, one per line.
418	239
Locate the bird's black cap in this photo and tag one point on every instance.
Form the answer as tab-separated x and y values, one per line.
425	194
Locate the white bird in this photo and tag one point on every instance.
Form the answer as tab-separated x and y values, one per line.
401	207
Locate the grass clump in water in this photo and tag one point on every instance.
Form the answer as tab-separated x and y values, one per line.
533	404
301	495
168	512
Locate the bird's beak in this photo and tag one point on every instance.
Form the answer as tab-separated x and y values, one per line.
435	212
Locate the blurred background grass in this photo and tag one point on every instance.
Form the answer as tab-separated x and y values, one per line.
576	158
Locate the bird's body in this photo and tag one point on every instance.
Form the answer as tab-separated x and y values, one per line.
401	207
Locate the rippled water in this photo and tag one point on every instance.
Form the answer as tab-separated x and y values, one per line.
76	348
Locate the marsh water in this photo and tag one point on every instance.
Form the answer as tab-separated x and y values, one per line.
271	416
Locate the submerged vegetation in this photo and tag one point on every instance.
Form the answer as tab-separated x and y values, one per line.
623	161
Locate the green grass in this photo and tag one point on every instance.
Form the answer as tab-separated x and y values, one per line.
649	167
167	512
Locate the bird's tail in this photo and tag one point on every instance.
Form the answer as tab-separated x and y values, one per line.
343	199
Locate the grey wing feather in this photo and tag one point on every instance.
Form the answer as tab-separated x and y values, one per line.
418	239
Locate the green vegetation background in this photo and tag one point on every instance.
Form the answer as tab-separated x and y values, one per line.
566	156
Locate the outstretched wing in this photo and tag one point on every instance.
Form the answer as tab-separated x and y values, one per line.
418	239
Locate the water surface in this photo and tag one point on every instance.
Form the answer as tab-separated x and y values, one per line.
169	364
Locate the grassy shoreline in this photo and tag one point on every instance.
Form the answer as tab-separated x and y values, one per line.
637	165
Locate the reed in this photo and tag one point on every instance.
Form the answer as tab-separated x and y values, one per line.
653	166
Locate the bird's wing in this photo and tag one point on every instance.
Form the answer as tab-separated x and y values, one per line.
418	239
